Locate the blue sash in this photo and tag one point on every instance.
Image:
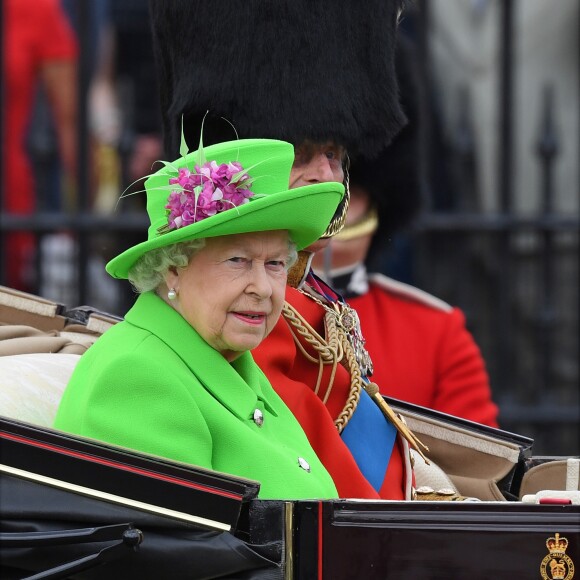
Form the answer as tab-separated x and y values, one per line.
370	438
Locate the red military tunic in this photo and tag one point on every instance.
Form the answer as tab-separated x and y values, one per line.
421	351
294	377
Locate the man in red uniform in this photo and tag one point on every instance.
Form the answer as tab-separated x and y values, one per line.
420	347
294	71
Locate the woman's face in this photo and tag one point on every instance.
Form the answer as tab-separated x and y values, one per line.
232	291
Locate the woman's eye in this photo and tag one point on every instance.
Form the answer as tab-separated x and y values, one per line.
277	264
237	260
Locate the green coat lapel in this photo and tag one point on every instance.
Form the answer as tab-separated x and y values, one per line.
238	386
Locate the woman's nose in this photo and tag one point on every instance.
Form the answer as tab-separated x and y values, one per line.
259	284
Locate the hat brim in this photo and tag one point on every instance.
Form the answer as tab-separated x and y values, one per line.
304	212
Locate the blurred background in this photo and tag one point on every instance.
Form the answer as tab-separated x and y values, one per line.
500	150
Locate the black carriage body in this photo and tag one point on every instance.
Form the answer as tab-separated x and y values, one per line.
303	540
59	513
343	540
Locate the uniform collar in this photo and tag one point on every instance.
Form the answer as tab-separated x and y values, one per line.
350	281
238	386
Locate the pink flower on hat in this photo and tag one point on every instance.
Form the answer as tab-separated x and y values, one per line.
207	191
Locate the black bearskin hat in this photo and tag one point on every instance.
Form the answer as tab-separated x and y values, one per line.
395	178
286	69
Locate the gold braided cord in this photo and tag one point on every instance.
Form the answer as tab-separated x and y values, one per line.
291	317
335	349
355	376
332	338
336	339
329	352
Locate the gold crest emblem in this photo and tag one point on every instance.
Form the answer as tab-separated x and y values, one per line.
557	565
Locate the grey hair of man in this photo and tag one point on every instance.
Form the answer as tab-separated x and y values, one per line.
148	273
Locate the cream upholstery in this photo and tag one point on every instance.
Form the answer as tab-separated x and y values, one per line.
430	475
31	385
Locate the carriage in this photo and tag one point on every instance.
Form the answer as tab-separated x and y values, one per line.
79	508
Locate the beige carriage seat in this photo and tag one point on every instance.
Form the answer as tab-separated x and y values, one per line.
473	463
40	344
31	385
546	475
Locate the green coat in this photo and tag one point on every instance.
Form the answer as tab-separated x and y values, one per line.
151	383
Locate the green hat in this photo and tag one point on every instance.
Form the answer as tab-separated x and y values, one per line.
261	183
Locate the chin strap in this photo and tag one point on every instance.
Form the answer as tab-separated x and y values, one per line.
339	218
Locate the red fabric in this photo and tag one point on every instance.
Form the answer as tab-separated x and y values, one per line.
294	377
35	32
425	355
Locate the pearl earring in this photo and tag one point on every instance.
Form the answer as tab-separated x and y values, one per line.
172	294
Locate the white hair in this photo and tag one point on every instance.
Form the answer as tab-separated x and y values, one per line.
149	271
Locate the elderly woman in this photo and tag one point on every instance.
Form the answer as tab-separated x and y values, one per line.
176	378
